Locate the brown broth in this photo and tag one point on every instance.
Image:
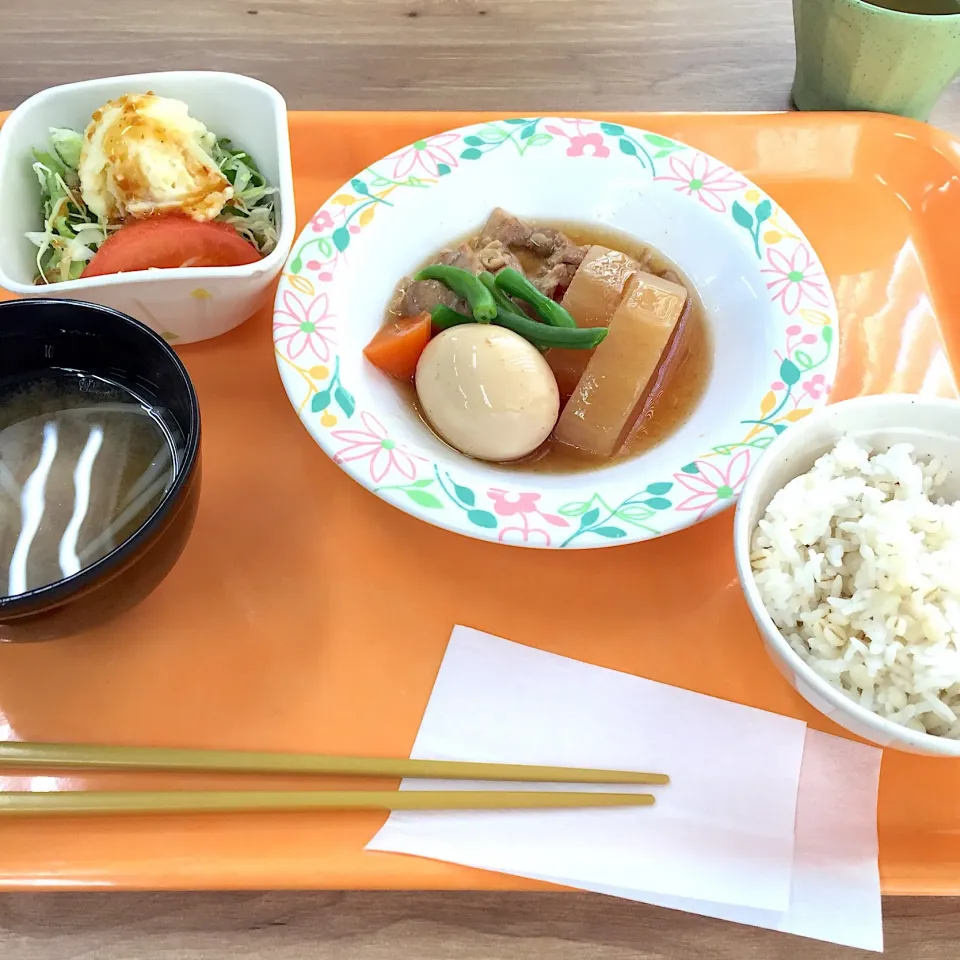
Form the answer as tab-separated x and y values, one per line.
679	382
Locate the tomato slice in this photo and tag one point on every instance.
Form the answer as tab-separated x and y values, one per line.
170	241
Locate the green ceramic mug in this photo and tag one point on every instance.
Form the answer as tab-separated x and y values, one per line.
894	56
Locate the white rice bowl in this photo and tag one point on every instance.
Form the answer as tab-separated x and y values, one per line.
857	563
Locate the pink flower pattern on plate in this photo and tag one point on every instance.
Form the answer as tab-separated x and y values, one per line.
816	386
305	333
581	144
373	444
425	156
523	506
797	279
507	504
712	484
704	179
321	221
590	145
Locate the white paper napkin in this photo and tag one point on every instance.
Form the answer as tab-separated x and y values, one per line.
721	839
835	891
724	832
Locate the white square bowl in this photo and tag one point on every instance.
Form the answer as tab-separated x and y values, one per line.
182	305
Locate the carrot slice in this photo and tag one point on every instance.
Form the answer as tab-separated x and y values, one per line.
397	346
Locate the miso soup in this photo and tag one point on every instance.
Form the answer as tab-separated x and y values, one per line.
84	463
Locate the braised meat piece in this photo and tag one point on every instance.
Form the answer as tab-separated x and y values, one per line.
556	274
560	255
557	260
413	297
542	241
494	255
507	229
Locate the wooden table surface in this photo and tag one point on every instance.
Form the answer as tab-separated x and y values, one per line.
528	55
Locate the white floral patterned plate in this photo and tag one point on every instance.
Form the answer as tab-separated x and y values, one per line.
769	305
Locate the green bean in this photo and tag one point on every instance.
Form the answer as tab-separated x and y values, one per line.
543	335
549	311
539	334
466	286
504	303
445	317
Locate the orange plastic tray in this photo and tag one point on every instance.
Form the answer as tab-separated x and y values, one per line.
308	615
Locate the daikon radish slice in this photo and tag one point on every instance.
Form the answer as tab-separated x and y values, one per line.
591	299
597	287
603	406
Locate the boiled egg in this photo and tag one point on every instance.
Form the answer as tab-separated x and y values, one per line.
143	155
488	392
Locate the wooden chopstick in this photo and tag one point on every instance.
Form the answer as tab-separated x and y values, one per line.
73	802
67	756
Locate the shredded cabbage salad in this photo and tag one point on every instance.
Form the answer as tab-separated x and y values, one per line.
71	234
